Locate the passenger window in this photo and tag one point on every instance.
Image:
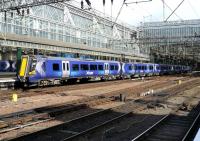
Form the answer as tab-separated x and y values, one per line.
100	67
67	66
64	66
116	67
84	67
112	67
75	67
136	67
107	67
56	67
93	67
44	66
130	68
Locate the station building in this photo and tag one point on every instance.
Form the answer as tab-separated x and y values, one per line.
173	42
64	29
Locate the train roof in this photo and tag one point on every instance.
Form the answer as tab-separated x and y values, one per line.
74	59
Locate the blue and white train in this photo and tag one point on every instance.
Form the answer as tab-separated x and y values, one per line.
7	66
48	70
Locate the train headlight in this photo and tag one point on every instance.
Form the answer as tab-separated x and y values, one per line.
32	72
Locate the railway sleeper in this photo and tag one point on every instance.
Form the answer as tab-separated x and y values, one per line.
68	131
171	130
175	126
168	134
178	124
151	139
3	124
163	138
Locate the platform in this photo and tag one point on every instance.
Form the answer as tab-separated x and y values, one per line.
7	74
197	137
6	83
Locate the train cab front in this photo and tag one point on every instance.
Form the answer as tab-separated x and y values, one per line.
27	68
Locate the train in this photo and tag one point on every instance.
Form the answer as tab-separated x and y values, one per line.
43	70
7	66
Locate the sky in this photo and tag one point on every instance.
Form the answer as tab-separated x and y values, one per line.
134	14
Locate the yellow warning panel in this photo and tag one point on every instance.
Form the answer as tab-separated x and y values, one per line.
14	97
23	66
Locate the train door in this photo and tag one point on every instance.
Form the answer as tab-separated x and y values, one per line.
154	69
65	69
106	68
133	69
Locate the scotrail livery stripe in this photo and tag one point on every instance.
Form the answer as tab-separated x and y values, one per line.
23	66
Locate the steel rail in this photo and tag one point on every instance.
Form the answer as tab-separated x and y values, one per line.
192	128
88	130
186	136
19	119
37	133
150	128
96	127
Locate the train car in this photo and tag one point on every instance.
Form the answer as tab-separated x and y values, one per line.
7	66
156	69
188	69
46	70
177	69
185	69
172	69
150	69
163	69
128	70
53	70
140	70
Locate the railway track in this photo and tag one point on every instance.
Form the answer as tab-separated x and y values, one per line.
52	90
7	74
172	127
85	124
30	117
34	91
48	113
166	93
45	112
76	127
27	118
